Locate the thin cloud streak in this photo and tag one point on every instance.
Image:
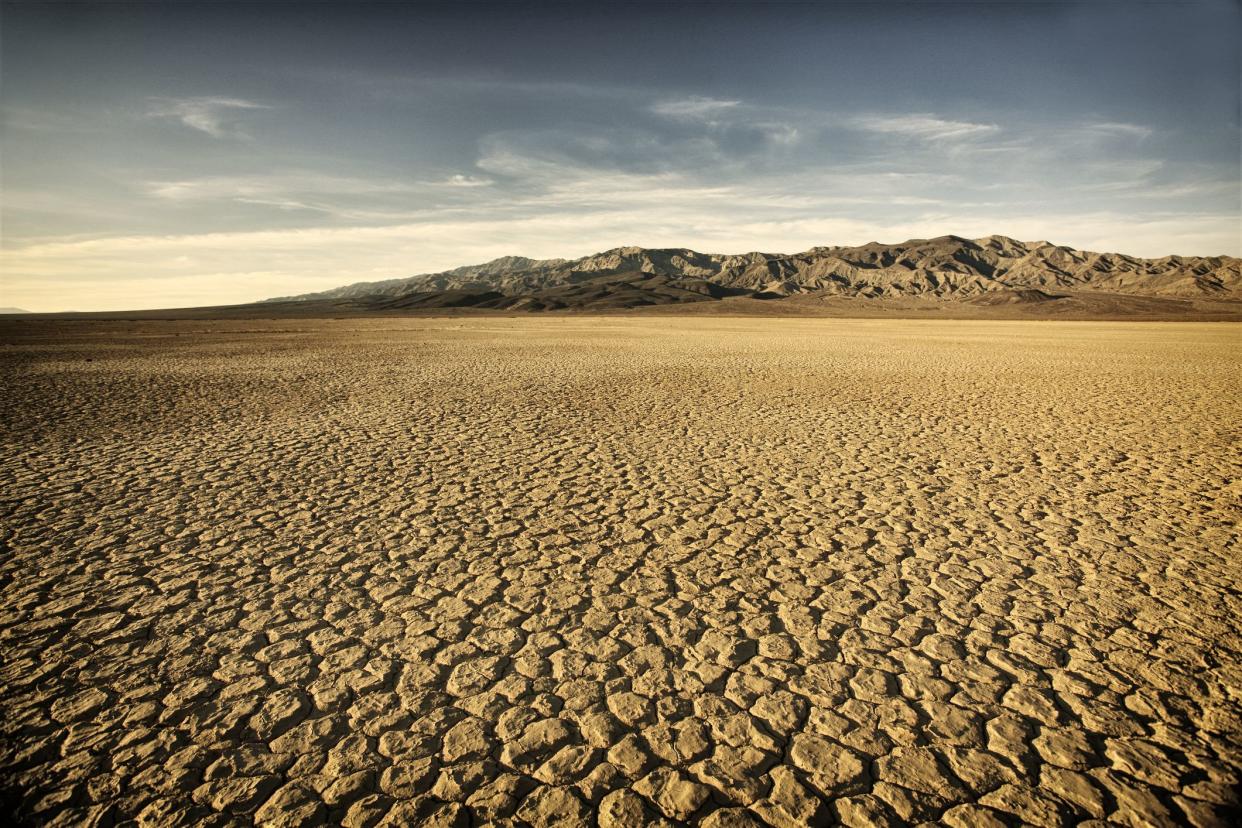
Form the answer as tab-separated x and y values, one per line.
459	180
1115	129
924	126
214	116
228	187
694	107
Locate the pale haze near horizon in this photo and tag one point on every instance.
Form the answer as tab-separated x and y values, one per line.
180	155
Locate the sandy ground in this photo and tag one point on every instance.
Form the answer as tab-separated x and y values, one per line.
552	571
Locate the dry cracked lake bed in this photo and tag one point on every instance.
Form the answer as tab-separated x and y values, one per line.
620	571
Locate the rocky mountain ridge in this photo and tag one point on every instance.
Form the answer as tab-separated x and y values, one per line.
948	267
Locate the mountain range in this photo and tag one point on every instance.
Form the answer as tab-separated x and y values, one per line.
987	271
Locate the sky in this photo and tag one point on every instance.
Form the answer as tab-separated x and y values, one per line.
181	154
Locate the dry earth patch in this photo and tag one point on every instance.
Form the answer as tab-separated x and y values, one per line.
549	571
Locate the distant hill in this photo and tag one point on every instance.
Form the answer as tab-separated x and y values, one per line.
991	271
13	310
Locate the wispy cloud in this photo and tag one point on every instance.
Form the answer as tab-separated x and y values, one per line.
720	151
207	188
780	134
1118	129
342	198
214	116
774	126
1118	174
923	126
694	107
546	156
460	180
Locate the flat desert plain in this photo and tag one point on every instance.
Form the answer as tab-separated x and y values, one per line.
554	571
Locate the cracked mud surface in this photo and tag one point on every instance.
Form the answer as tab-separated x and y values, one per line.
561	571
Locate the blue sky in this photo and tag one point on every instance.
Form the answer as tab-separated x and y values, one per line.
182	154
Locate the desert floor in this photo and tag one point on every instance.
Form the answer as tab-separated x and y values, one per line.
548	571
